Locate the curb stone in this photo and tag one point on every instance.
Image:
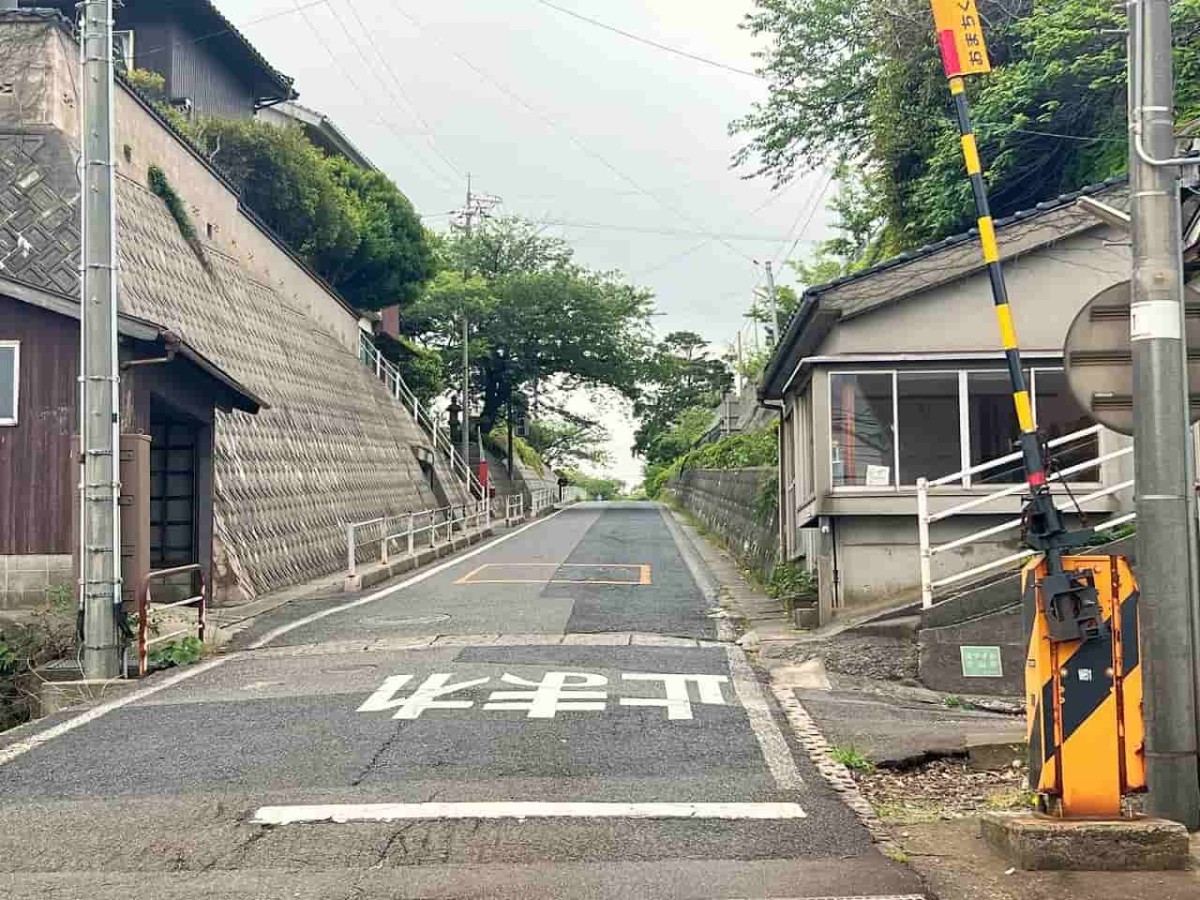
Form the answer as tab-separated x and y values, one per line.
807	733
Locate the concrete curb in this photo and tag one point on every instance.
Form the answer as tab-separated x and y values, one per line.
808	735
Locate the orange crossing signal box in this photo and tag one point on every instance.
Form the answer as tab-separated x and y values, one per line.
1084	697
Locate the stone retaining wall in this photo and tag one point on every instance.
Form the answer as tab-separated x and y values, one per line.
729	502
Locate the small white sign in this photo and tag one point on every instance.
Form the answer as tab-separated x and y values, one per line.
879	476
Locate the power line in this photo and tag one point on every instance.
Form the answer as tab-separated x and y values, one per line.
428	131
677	232
649	43
814	205
558	126
354	82
695	248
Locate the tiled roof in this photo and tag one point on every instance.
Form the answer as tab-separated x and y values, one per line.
811	295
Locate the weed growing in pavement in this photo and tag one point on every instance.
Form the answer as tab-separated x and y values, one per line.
1017	798
957	703
853	759
184	652
895	854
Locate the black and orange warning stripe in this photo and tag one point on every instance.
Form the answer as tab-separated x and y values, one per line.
1035	470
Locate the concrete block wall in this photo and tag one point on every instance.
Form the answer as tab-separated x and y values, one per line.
24	580
727	502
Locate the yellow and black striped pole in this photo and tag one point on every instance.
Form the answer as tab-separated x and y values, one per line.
1035	468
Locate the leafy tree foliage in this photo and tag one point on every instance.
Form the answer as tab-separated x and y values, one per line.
568	440
597	488
352	225
535	316
861	82
680	377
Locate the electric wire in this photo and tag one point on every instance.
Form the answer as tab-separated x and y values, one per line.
403	95
358	88
556	125
649	43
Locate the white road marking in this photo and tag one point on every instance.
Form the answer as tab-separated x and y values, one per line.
408	582
391	812
20	748
677	700
770	738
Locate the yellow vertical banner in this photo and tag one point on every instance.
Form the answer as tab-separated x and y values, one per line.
960	37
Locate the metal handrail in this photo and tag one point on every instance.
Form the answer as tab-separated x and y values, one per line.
1013	457
387	372
143	600
436	523
924	518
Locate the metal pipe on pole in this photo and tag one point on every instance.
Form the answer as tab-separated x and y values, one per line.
1167	531
99	520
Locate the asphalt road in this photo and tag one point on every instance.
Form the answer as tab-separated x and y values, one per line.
550	715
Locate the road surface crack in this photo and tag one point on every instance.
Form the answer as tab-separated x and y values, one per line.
375	758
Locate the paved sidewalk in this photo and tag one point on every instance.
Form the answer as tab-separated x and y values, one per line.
931	823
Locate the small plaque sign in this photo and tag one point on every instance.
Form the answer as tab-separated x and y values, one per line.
981	662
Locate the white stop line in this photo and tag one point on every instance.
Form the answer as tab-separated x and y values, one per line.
391	812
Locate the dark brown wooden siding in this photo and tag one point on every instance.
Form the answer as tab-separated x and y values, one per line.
36	483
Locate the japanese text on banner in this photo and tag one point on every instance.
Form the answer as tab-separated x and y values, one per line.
960	37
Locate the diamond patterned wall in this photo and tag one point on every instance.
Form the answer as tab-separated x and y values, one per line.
334	447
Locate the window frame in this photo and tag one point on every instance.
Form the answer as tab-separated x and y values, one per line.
964	420
6	422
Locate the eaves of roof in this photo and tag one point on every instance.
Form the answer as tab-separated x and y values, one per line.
142	331
810	299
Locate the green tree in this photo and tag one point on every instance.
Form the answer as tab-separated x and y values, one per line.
563	439
352	225
861	82
535	315
597	488
680	376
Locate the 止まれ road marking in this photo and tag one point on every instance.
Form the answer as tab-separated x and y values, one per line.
555	692
391	812
547	573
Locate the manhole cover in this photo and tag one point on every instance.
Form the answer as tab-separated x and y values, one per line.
406	623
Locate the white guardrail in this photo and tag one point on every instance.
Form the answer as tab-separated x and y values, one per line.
427	528
432	527
386	372
925	518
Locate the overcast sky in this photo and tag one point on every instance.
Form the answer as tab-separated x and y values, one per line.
568	123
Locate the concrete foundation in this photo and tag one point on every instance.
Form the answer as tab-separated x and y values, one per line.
1038	843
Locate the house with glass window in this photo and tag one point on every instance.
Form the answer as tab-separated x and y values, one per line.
895	374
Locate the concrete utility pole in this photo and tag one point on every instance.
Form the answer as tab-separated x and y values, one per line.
99	520
478	206
1167	528
774	304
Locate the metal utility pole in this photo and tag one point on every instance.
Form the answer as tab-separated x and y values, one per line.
99	520
1167	532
